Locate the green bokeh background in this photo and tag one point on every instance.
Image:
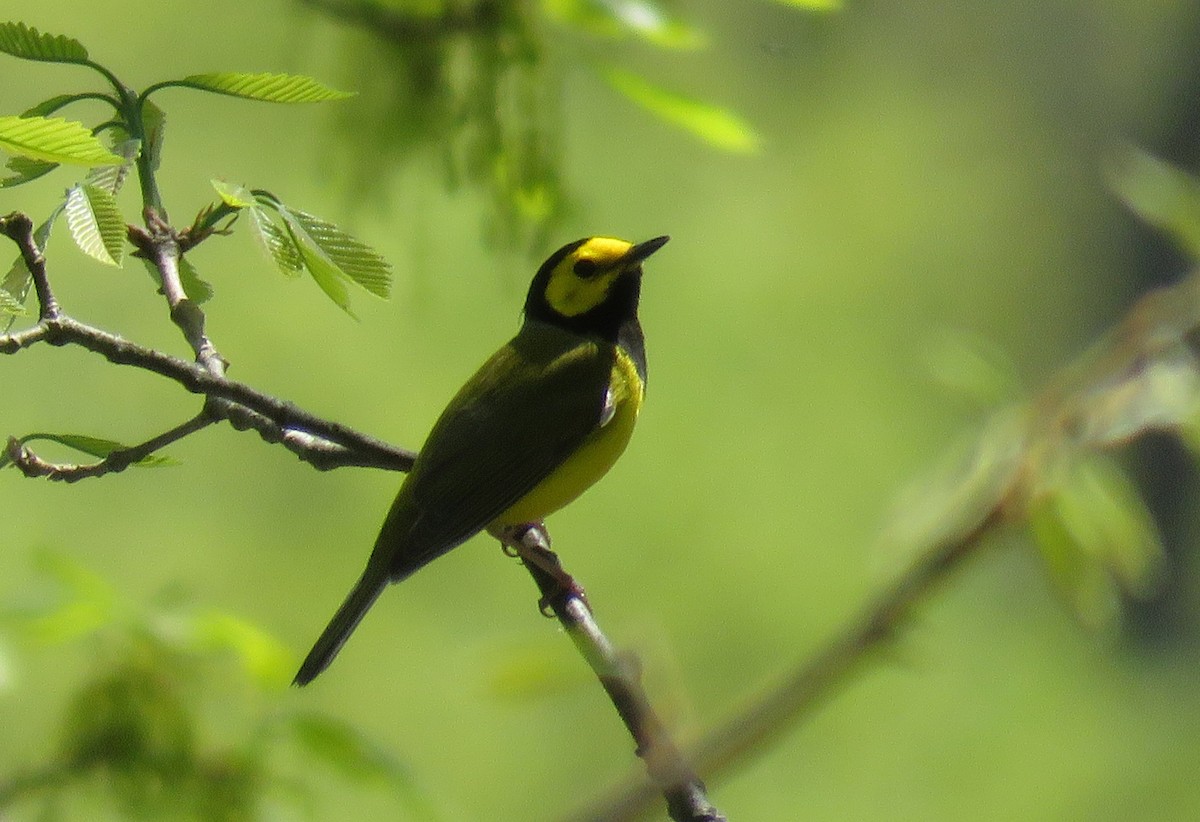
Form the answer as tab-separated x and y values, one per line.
925	167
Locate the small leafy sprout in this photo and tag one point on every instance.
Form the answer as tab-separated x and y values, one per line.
298	241
132	138
92	446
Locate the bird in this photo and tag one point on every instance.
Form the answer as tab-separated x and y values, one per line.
542	419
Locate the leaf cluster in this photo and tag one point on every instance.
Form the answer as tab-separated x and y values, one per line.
475	85
131	140
130	741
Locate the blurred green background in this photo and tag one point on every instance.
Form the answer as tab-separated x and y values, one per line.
926	172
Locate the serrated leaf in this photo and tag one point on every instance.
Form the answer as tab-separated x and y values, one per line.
111	178
53	140
277	243
262	656
198	290
714	125
233	195
355	259
327	275
96	223
27	42
25	170
265	87
10	306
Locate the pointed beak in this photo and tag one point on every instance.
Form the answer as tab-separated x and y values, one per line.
643	250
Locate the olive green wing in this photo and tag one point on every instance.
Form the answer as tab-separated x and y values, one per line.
524	412
511	425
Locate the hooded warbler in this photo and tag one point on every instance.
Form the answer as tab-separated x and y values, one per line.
545	417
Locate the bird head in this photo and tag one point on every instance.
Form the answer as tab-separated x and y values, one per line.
590	285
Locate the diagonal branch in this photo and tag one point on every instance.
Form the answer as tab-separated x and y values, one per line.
1143	375
281	421
620	676
815	679
320	442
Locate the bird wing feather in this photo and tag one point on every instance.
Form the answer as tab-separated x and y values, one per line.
516	420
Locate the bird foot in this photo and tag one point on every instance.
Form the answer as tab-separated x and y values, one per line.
530	542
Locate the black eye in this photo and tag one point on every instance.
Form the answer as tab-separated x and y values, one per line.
585	269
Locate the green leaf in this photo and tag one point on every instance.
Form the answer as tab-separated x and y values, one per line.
642	18
27	42
1164	196
154	126
345	748
92	446
1098	540
972	368
327	275
355	259
330	255
54	140
85	603
263	656
198	290
269	88
233	195
96	223
25	170
716	126
278	244
10	306
111	178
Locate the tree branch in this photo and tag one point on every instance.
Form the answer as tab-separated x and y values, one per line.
1143	375
31	465
816	678
320	442
620	676
160	244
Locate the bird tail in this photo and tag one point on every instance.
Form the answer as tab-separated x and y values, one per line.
361	598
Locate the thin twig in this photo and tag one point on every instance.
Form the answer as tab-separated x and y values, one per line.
284	418
620	676
321	443
159	244
814	679
31	465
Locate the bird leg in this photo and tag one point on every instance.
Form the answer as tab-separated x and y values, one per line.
530	542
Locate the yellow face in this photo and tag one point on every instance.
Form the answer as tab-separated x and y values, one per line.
580	282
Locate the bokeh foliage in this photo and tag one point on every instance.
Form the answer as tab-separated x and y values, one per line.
888	196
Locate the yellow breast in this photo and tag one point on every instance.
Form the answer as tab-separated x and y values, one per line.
594	456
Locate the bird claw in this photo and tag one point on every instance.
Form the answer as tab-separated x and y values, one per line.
536	552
